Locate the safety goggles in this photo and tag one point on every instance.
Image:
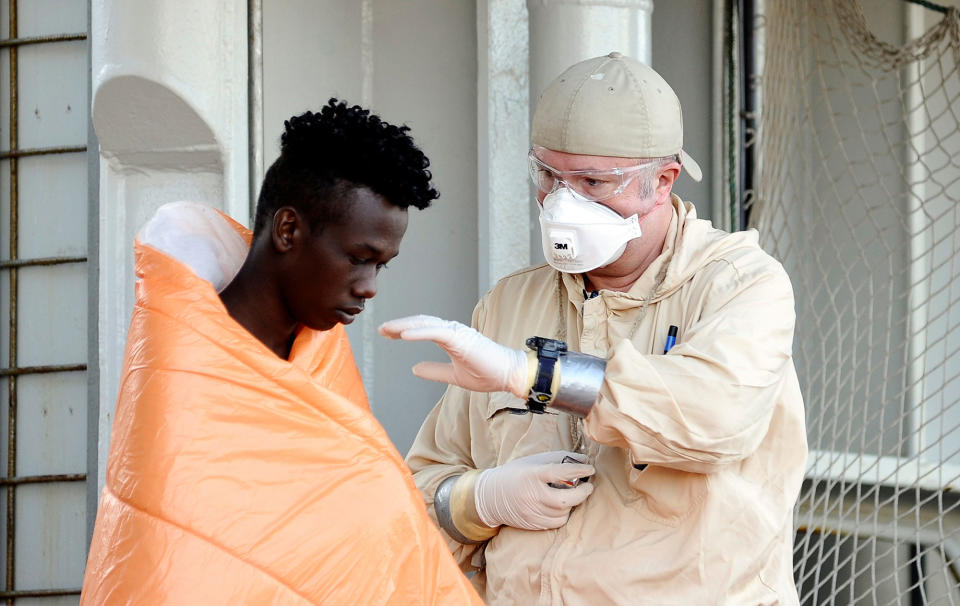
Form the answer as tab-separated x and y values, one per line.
591	184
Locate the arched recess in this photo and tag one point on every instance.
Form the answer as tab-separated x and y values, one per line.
155	148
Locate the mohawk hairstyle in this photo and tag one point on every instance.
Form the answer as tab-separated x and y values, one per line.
325	154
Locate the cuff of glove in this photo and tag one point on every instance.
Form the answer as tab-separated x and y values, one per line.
456	509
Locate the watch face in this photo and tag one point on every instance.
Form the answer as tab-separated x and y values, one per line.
542	398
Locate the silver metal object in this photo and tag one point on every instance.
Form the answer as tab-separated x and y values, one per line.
441	505
581	376
572	483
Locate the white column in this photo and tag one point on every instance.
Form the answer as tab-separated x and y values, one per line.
503	135
563	32
169	106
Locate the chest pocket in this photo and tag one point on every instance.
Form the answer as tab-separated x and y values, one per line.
516	432
666	495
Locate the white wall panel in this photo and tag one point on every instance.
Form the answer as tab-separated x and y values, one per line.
52	548
5	94
52	425
4	427
52	95
48	17
4	252
56	215
5	311
52	315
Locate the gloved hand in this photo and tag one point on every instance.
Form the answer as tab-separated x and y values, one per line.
477	363
516	493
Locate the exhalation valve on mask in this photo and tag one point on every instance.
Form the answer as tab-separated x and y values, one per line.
580	235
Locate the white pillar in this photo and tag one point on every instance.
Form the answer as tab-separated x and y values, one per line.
563	32
503	138
169	106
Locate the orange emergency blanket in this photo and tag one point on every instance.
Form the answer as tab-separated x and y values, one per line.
236	477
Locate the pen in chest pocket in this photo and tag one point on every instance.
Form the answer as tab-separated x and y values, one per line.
671	338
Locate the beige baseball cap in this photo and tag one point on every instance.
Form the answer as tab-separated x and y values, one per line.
612	106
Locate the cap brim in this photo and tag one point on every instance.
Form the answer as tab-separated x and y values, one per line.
690	165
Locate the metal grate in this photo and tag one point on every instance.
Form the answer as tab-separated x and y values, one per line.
12	265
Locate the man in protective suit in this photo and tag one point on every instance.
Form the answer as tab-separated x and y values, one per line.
624	425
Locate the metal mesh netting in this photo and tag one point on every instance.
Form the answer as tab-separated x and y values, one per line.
857	192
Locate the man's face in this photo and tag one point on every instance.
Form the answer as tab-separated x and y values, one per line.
334	270
648	200
628	202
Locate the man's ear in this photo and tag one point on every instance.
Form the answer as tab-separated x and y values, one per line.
287	229
668	176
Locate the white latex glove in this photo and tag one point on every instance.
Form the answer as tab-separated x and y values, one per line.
517	493
476	362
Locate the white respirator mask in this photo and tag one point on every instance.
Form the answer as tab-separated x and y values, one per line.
580	235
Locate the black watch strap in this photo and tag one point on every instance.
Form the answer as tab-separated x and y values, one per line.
549	352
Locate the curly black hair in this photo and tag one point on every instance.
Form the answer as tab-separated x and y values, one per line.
340	147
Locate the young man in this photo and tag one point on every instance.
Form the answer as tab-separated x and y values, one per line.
245	466
666	376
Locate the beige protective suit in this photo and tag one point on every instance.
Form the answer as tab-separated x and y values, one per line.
699	453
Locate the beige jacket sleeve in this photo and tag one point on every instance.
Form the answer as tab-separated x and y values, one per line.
710	401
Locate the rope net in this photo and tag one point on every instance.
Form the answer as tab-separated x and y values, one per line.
857	192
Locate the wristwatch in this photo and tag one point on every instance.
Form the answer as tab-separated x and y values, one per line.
566	381
549	352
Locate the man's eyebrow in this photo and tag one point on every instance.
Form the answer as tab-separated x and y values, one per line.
376	251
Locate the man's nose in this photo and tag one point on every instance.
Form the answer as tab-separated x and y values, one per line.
366	286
